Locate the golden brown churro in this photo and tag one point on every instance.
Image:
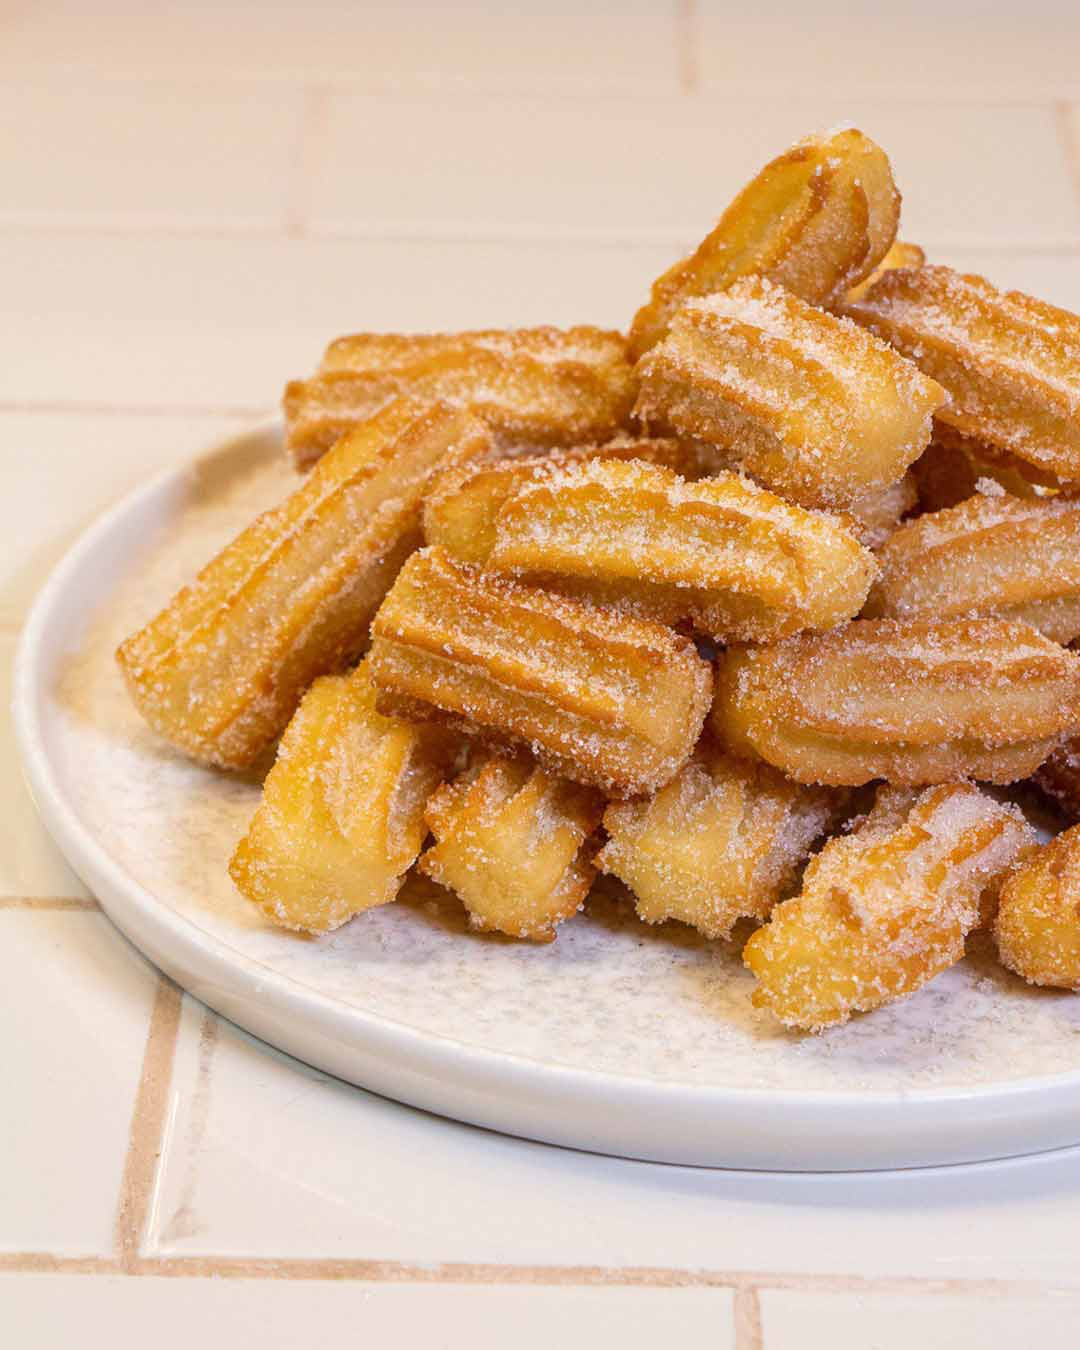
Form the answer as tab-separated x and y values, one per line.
514	843
599	697
809	404
886	908
1010	364
723	555
993	554
1037	928
533	386
223	667
722	841
342	813
911	701
817	219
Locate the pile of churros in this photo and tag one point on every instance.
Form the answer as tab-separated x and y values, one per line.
756	609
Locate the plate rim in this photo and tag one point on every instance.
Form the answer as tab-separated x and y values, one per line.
283	994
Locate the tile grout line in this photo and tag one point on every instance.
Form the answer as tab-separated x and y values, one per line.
747	1318
747	1286
51	903
313	125
147	1128
687	46
1070	142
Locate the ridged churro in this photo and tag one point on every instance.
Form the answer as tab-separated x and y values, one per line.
461	509
993	554
1037	928
599	697
722	841
911	701
514	844
809	404
817	219
533	386
1010	364
222	668
723	555
886	908
341	818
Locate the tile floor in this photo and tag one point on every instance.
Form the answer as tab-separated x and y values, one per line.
195	198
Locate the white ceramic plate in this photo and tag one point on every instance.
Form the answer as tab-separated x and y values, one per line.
617	1038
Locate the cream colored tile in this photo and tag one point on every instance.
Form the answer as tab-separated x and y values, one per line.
61	470
204	323
273	1159
30	863
621	168
798	1321
74	1004
997	50
107	152
551	46
529	166
53	1312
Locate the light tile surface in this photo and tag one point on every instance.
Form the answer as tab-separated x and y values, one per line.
44	1312
269	1158
801	1321
970	172
224	322
75	1001
179	154
922	50
383	45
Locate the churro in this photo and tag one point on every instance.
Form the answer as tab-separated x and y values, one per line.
722	841
817	219
222	668
514	844
723	555
911	701
1037	928
341	818
886	908
599	697
809	404
1010	364
533	386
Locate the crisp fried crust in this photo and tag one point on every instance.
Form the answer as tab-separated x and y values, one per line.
993	554
817	219
1037	928
911	701
900	255
885	909
722	841
875	515
342	813
599	697
808	403
954	466
535	386
222	668
463	504
722	555
1011	364
515	844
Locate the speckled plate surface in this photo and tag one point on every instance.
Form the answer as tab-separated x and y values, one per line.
617	1038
